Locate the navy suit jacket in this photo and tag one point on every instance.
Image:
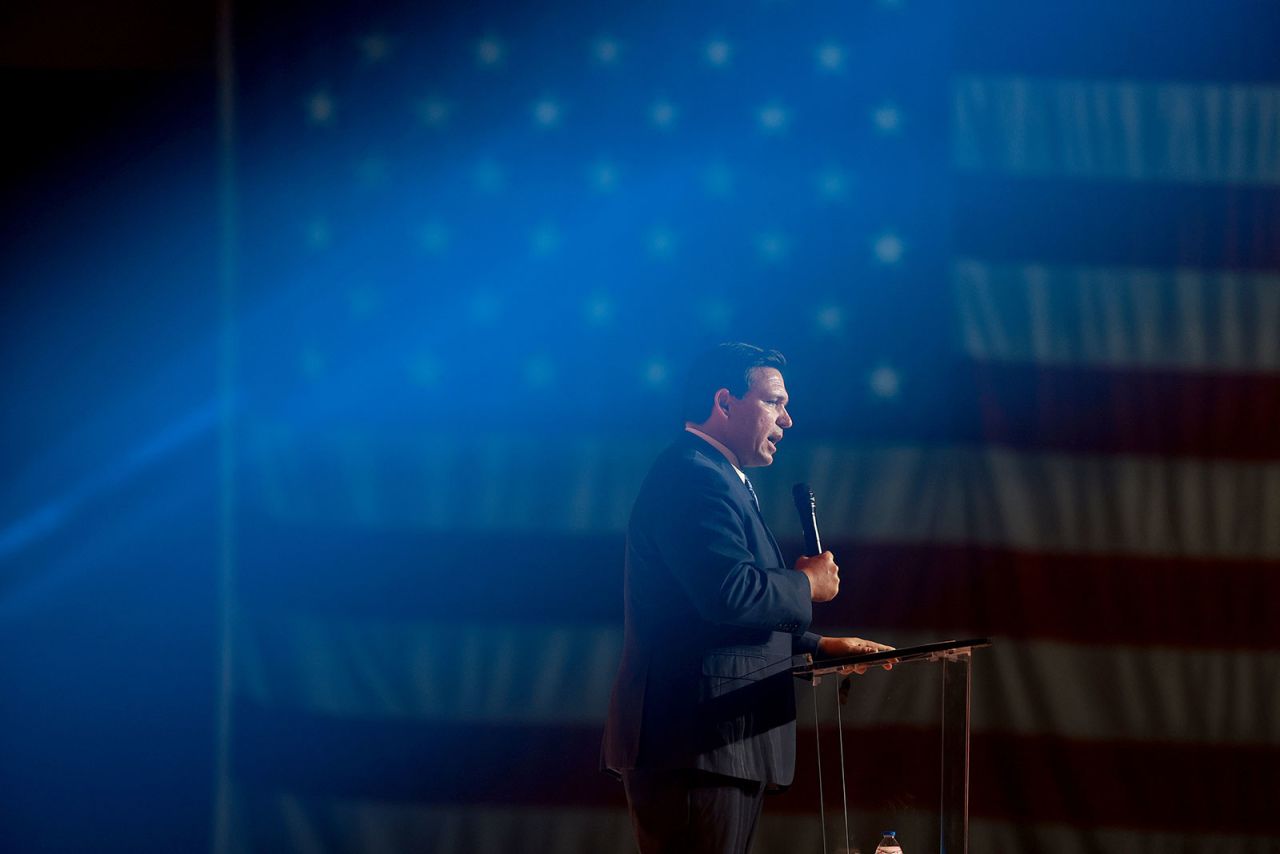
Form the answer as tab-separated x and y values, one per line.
713	617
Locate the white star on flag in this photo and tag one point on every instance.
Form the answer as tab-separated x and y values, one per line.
888	248
539	371
717	313
773	246
433	237
318	233
832	183
320	108
773	118
661	242
830	57
547	112
375	47
887	118
372	171
605	50
663	113
545	240
604	176
830	318
884	382
718	179
718	51
598	310
655	373
433	112
489	52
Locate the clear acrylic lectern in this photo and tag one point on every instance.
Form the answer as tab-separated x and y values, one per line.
955	658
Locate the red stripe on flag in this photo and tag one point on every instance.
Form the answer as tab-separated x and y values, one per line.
1047	779
1069	222
1130	411
955	590
1174	787
1094	599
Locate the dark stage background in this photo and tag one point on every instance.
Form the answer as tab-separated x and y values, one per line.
324	413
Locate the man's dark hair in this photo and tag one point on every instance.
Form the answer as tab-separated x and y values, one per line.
723	366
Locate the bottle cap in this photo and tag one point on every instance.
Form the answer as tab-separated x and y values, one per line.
890	833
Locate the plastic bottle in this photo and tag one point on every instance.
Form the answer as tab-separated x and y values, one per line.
889	843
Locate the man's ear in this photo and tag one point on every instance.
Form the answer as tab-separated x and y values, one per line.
722	400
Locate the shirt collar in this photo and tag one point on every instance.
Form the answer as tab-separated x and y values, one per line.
728	454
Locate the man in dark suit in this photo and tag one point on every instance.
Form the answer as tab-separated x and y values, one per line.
702	718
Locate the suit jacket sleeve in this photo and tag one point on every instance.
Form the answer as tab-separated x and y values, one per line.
704	542
806	642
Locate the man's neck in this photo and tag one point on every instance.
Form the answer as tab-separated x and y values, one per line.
719	446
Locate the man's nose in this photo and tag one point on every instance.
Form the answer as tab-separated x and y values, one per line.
784	420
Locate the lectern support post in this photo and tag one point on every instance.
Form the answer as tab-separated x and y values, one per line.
954	805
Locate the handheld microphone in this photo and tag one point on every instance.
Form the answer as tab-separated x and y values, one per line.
807	507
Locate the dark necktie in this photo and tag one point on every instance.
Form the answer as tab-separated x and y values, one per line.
760	516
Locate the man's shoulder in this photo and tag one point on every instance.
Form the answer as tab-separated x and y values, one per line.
686	475
691	455
688	465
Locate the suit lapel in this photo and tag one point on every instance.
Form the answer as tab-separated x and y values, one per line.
753	502
776	550
714	454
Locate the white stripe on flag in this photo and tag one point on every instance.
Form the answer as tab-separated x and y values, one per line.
288	822
991	496
558	675
1124	317
306	825
466	672
1072	503
997	837
1117	129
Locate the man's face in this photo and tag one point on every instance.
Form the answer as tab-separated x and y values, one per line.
757	419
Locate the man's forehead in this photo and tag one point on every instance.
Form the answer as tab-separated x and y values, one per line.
768	381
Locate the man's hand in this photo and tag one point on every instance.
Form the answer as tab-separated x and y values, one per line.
841	647
823	574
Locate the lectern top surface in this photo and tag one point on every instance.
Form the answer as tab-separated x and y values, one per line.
924	651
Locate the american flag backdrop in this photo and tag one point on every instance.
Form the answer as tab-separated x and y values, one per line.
1025	263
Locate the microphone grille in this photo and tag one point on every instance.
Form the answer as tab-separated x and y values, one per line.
803	496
